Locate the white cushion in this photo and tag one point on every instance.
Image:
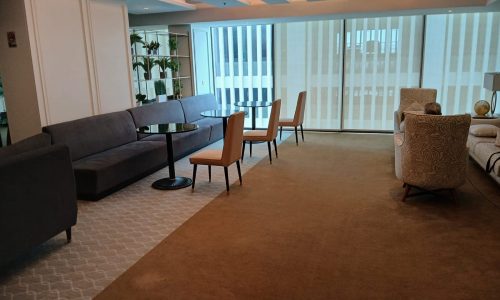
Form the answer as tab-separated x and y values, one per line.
485	130
497	142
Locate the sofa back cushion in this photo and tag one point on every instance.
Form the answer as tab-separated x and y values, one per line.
32	143
195	105
158	113
94	134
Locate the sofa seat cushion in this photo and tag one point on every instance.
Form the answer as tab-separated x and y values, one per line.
216	132
98	173
483	151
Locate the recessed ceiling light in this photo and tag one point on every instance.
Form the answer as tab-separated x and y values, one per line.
450	11
146	8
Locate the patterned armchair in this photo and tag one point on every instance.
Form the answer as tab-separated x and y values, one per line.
432	152
410	97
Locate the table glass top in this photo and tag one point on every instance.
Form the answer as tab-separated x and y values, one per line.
167	128
253	103
219	113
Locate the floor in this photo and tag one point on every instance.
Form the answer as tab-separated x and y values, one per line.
113	233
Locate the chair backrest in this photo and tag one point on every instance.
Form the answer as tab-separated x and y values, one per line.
233	140
408	96
272	127
434	152
298	118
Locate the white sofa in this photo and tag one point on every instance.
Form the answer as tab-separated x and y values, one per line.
481	148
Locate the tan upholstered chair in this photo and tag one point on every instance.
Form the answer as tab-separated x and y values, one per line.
268	135
432	152
298	117
228	155
411	98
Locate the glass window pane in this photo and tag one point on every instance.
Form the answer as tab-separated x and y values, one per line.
460	48
309	57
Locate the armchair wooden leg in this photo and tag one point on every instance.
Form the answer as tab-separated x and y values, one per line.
195	166
302	131
239	171
281	131
407	191
68	235
243	151
227	179
275	148
269	150
296	136
209	173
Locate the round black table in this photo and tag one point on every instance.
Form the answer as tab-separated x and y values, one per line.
172	182
253	105
220	113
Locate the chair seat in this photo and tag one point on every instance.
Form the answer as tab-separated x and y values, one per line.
286	122
207	157
255	135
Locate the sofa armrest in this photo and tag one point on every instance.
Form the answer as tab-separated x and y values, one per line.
37	198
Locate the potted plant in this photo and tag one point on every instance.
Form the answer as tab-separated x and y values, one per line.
163	63
147	65
141	99
174	66
152	47
172	44
135	39
177	89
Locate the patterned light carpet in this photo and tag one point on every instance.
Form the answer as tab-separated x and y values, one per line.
113	233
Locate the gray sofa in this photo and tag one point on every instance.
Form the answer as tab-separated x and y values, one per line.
37	195
108	154
482	148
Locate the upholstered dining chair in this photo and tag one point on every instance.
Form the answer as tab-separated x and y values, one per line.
229	154
298	117
412	99
268	135
432	152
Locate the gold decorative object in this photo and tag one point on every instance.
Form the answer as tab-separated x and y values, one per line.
482	107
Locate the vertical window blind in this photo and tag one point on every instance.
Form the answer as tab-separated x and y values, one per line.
243	66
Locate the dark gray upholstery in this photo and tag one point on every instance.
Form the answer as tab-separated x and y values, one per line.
99	173
38	195
216	132
32	143
94	134
187	142
195	105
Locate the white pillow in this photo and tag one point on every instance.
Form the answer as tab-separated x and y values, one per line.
484	130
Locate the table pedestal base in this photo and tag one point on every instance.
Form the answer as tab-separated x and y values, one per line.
172	183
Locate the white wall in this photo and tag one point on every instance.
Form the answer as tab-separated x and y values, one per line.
81	61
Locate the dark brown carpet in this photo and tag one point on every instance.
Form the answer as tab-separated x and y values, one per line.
325	221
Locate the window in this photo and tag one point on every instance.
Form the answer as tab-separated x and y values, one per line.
460	48
243	66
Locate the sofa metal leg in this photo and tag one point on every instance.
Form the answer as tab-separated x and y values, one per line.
68	235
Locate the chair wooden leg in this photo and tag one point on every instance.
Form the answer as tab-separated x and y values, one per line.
281	131
250	149
296	136
239	171
68	235
209	173
407	191
243	151
275	148
269	150
227	179
195	166
302	131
